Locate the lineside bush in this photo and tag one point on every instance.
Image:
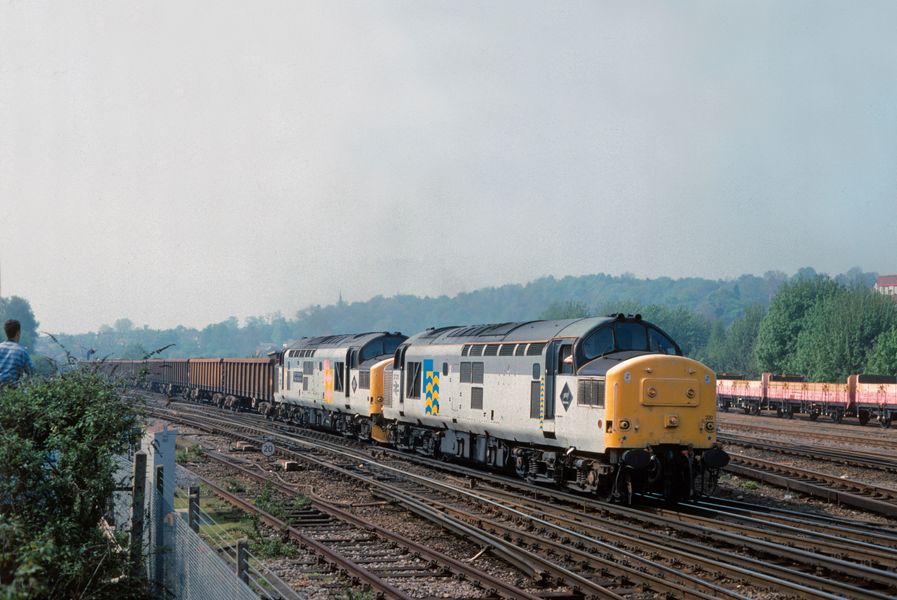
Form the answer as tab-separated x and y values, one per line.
58	440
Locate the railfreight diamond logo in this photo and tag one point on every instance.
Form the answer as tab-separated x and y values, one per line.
566	397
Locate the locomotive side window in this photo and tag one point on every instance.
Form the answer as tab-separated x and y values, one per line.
412	389
565	360
537	370
535	349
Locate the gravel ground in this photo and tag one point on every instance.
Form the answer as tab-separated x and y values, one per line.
805	432
346	493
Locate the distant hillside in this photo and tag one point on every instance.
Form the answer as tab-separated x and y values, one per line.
717	301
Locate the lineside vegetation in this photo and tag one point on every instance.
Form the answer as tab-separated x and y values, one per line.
58	440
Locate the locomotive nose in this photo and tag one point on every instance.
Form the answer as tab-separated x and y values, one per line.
661	399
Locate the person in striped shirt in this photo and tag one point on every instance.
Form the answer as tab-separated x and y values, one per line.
14	359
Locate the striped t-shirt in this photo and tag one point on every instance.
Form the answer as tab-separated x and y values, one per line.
14	361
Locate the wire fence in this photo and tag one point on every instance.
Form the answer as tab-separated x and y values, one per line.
180	561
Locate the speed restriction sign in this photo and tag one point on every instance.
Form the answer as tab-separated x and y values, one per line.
268	448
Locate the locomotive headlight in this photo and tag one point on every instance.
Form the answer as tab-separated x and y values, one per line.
690	393
625	424
709	425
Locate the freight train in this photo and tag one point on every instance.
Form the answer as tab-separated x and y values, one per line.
866	397
605	404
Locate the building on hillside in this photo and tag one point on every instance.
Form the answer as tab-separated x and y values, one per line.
887	285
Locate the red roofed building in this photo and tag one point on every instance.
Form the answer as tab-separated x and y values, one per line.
887	285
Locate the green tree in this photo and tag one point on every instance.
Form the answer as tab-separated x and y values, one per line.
18	308
734	351
840	331
883	357
570	309
779	329
58	441
714	354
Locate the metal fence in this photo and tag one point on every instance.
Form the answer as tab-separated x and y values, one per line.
166	541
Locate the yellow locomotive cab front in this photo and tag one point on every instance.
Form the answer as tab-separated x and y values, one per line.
659	399
660	425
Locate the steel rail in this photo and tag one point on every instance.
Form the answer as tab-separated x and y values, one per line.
494	584
341	561
863	530
873	441
548	566
817	484
855	458
807	558
753	570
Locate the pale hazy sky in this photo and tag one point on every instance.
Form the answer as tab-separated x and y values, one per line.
179	162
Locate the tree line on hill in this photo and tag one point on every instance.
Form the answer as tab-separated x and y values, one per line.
809	323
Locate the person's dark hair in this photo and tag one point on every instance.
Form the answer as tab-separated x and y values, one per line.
12	327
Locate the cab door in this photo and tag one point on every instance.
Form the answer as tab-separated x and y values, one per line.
550	374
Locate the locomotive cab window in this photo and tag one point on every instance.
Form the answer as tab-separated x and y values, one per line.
599	343
657	342
631	336
620	337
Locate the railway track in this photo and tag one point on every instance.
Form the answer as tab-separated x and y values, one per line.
875	439
876	499
593	538
856	458
366	552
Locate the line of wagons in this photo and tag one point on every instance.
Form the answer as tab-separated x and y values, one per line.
226	382
866	397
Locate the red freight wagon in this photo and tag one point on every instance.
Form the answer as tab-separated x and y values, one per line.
733	391
249	378
831	399
175	373
784	393
167	374
875	395
205	377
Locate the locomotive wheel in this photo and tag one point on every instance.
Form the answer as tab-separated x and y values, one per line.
837	417
779	413
814	415
863	415
885	422
747	410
